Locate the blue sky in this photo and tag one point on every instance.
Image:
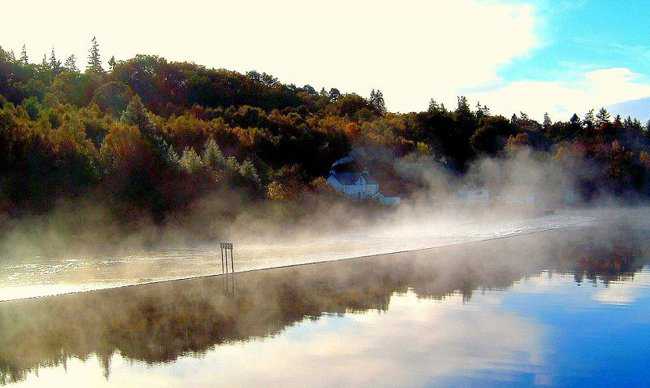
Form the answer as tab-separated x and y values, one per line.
587	54
534	56
586	35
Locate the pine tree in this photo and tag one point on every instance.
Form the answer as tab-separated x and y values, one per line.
24	59
377	101
602	117
55	64
248	171
433	106
628	123
462	108
71	64
172	157
575	120
136	114
547	121
111	63
589	119
617	121
190	161
94	59
482	110
212	155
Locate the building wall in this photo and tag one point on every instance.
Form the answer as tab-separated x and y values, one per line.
358	191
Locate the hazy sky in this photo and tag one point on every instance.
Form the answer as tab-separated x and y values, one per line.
543	55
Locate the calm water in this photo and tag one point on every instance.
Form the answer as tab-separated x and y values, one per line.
559	308
31	276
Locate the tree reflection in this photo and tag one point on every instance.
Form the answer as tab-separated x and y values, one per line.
158	323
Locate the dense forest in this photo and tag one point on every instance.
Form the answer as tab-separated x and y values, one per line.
150	136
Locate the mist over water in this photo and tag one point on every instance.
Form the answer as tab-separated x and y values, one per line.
41	276
80	247
523	311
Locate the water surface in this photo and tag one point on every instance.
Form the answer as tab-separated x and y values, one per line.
560	308
26	277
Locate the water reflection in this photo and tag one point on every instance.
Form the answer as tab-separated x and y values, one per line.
418	318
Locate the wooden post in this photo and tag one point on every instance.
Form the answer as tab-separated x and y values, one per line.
225	249
232	260
222	267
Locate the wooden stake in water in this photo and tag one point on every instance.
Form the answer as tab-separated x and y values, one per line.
225	249
222	267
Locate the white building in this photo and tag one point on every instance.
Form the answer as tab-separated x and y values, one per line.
356	185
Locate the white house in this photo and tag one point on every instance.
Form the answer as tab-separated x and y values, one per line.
353	184
356	185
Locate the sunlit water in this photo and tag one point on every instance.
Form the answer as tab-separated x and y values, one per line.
564	308
40	276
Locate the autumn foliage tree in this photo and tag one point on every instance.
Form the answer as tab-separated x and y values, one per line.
157	136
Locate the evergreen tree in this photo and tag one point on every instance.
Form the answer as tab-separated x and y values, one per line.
482	110
617	121
248	171
172	158
547	121
589	119
434	106
212	155
71	64
24	59
462	107
94	59
575	120
135	113
377	101
55	64
190	161
602	117
628	123
112	63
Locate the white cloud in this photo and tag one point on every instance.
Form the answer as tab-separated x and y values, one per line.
624	292
412	49
414	343
592	89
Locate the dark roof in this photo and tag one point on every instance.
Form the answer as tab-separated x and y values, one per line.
346	178
350	178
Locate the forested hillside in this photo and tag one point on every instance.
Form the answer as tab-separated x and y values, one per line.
150	136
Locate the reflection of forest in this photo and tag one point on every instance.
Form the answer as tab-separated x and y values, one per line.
159	322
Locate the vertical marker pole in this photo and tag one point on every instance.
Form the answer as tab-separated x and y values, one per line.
222	266
232	259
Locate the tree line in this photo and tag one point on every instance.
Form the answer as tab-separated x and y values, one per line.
155	136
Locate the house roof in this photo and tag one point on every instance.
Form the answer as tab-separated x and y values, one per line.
351	178
345	160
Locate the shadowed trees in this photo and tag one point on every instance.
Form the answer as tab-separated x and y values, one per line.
139	134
